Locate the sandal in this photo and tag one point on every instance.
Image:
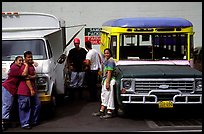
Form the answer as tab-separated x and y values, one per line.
108	115
99	113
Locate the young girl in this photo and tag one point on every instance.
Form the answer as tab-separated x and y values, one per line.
107	93
9	88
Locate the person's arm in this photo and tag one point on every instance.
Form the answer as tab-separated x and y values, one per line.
87	61
25	70
28	83
70	66
100	71
32	76
27	79
100	58
87	64
109	72
69	62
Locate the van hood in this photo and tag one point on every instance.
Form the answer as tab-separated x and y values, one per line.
158	71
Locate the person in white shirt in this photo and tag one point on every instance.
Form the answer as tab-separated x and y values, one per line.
93	61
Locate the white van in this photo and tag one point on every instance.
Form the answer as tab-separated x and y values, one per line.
43	35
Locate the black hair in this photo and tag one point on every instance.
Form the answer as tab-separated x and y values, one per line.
27	53
16	58
109	50
88	44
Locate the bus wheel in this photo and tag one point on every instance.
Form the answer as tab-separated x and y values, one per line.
121	111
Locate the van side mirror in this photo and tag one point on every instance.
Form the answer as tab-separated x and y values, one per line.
61	59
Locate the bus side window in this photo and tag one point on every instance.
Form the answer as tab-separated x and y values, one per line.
113	46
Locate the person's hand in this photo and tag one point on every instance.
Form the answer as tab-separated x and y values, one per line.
35	64
71	68
32	92
85	62
86	68
25	63
100	73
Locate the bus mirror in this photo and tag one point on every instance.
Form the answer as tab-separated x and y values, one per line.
61	59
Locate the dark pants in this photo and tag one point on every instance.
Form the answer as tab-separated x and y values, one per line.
75	93
92	80
75	85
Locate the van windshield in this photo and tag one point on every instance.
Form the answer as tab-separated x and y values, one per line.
13	48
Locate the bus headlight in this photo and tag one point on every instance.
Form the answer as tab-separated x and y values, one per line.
198	85
127	84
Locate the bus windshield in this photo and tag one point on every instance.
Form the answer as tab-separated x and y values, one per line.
153	46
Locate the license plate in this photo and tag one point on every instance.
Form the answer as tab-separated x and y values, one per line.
165	104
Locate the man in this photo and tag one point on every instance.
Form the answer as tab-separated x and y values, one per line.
93	61
28	102
75	66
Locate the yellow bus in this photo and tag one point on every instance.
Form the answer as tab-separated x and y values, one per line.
153	61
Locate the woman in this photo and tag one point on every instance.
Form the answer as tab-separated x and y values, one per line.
107	93
9	88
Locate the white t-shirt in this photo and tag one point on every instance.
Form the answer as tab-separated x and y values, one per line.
93	56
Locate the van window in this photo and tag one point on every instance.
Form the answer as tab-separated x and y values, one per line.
13	48
49	49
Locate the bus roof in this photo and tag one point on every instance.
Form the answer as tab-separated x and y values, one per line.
148	22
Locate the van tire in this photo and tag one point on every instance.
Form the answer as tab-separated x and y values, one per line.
51	109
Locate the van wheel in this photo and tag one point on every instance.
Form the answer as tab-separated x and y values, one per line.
53	105
51	110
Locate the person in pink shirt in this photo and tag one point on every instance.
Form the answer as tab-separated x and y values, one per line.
9	88
28	102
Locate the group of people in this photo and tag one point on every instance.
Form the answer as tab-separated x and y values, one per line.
84	66
20	83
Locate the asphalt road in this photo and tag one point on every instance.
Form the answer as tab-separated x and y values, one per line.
75	116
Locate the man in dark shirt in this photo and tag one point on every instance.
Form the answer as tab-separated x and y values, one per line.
75	66
76	57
